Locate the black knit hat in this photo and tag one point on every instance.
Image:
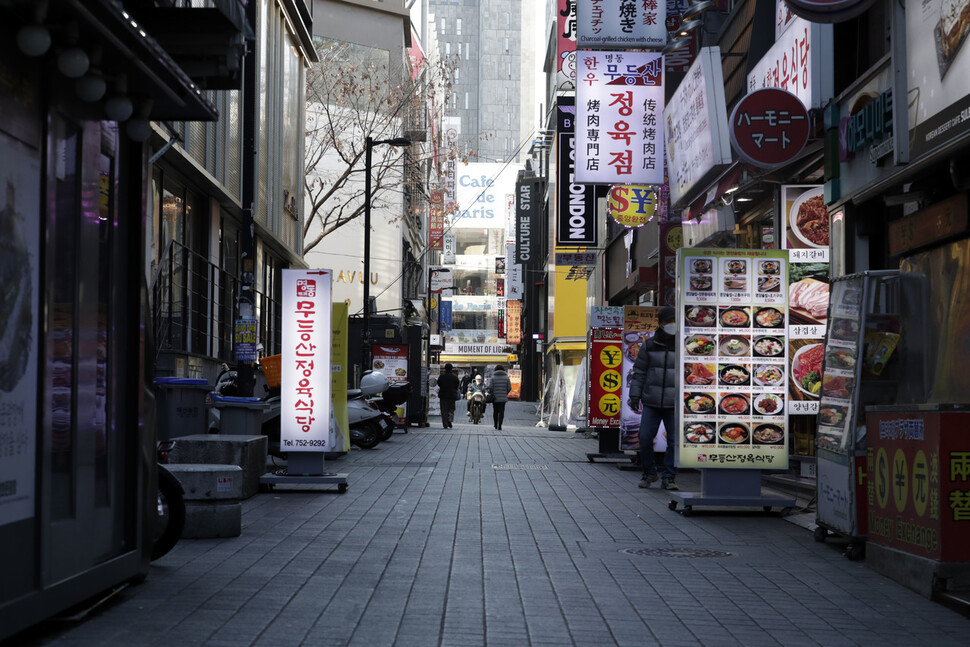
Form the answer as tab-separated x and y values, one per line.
667	315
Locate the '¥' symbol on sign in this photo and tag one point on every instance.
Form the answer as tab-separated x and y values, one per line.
611	356
900	480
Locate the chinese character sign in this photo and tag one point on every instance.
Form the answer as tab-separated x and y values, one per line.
619	111
513	326
732	309
621	24
436	224
605	378
566	45
305	370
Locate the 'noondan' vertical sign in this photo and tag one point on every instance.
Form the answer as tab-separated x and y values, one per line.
305	371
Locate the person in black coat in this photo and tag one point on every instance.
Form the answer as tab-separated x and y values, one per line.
465	379
654	384
447	395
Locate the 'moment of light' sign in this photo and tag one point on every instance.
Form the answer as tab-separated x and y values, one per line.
619	107
305	371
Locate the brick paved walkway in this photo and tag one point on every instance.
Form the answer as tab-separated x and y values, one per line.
472	536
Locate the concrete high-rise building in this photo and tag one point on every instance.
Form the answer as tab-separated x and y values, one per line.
493	103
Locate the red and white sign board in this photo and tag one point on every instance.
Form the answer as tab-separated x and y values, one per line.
769	127
605	378
305	370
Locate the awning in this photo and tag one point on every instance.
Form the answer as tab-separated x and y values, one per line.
568	345
727	180
463	360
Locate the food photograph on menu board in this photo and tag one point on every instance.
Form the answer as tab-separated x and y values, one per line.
734	351
837	368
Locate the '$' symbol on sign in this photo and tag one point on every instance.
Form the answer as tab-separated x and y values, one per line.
610	380
611	356
610	405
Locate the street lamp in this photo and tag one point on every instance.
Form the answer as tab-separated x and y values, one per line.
369	144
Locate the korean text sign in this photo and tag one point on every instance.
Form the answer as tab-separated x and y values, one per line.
619	108
621	24
733	345
696	127
605	379
305	371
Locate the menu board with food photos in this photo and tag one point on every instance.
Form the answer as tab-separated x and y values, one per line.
840	365
734	351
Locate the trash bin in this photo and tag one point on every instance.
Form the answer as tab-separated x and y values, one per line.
236	415
180	409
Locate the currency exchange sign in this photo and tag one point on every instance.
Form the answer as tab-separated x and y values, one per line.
605	378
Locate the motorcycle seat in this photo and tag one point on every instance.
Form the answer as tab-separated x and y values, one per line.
354	393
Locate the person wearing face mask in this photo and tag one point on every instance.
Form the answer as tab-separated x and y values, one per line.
654	384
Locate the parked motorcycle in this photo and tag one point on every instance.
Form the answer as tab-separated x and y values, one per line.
477	406
368	423
388	402
170	507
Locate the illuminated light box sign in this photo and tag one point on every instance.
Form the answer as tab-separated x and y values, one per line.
605	380
632	206
305	365
575	202
619	112
769	127
621	24
695	124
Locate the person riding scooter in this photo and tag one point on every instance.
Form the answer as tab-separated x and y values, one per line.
476	385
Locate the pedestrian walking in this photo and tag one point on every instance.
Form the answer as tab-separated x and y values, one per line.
654	383
447	395
465	380
500	386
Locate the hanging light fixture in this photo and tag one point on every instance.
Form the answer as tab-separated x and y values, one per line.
92	86
73	61
118	106
35	39
688	26
674	45
139	128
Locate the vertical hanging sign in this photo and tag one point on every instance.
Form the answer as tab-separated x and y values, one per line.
605	380
436	221
619	112
575	203
305	375
621	24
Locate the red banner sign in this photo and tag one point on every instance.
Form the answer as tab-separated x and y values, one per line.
605	379
769	127
513	326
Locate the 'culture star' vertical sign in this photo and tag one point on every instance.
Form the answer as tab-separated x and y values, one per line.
619	124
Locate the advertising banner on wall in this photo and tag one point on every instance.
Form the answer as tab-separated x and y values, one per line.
938	64
445	317
734	351
515	377
620	24
441	279
451	183
20	193
605	380
606	317
566	45
483	192
619	108
527	210
305	363
575	203
695	122
339	345
434	402
513	326
806	227
639	325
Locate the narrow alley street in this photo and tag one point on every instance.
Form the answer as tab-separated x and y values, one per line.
473	536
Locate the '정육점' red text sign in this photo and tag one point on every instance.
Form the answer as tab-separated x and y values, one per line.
769	127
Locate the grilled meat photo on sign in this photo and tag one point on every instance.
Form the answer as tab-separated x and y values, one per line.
697	374
806	368
811	296
768	404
